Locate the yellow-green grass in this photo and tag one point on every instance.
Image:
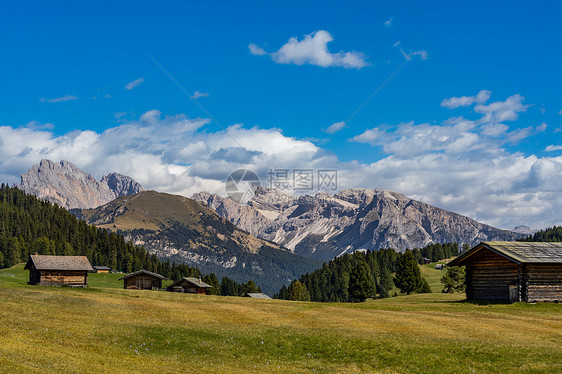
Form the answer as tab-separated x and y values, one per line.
50	329
432	276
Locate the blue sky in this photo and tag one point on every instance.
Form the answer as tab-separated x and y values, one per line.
76	76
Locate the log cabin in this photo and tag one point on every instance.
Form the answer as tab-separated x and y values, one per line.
101	269
58	270
189	285
513	271
142	280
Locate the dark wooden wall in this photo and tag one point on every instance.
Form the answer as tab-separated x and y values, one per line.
59	277
489	276
543	282
142	282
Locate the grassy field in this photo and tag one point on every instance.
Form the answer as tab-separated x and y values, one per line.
102	329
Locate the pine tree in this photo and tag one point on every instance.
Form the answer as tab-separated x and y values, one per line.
453	280
297	292
361	284
408	277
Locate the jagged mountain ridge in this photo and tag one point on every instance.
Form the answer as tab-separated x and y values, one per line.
182	230
324	226
67	185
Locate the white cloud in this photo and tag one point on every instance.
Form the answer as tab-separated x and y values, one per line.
455	102
313	50
500	111
36	125
59	99
256	50
129	86
542	127
388	23
560	112
197	95
461	165
335	127
408	56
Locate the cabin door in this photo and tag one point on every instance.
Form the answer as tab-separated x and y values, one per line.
513	293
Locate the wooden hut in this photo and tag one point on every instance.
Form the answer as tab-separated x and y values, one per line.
58	270
101	269
142	280
513	271
189	285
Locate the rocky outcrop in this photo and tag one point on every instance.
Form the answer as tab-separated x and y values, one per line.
67	185
324	226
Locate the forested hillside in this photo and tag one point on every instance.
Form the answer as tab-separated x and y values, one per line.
553	234
337	278
29	225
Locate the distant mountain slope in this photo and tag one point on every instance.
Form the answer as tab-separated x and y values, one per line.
324	226
180	229
65	184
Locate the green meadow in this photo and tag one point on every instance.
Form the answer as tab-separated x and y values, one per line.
105	328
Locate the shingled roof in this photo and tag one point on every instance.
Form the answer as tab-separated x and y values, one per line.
255	295
44	262
518	252
197	282
142	272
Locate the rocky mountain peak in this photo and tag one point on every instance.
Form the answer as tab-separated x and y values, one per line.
67	185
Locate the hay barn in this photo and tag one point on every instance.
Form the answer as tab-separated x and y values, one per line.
101	269
513	271
189	285
58	270
142	280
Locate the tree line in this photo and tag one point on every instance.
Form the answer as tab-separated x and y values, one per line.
365	274
29	225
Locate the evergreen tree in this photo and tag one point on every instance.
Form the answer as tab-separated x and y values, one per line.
408	277
297	292
361	284
453	280
386	283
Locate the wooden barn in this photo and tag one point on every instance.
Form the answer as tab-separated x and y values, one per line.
513	271
101	269
142	280
58	270
189	285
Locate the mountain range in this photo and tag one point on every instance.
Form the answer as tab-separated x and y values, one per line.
324	225
179	229
272	239
65	184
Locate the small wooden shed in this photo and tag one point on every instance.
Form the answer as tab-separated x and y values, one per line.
101	269
513	271
190	285
58	270
142	280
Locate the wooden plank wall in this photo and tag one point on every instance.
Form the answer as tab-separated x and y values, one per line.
543	282
63	278
142	282
489	276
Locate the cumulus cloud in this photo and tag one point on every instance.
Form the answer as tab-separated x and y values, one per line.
59	99
460	164
256	50
500	111
335	127
455	102
129	86
197	95
313	50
